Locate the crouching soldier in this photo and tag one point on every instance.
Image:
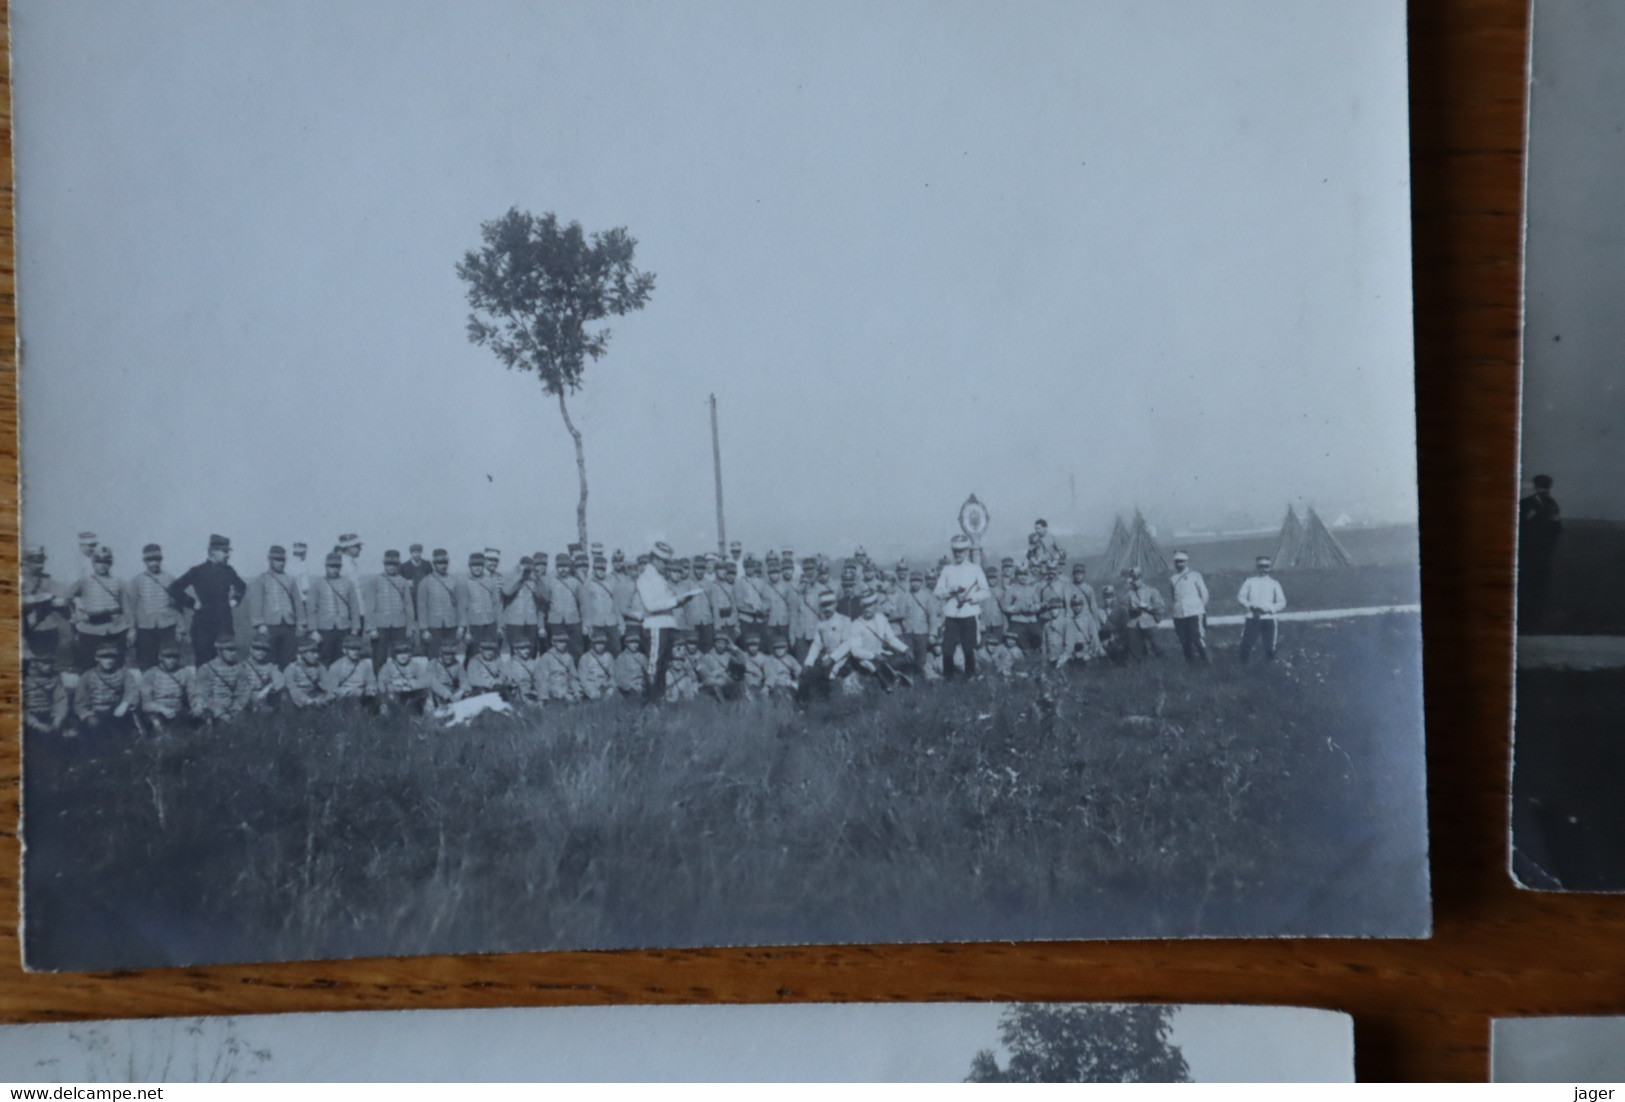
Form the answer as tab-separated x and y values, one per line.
350	676
487	672
108	692
521	666
711	669
781	671
631	665
400	680
268	681
755	665
45	696
596	670
556	676
224	685
443	677
682	682
932	666
167	690
306	678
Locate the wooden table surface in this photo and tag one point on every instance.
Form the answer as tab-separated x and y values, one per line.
1421	1008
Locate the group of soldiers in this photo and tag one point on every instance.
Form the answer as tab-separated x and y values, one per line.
105	652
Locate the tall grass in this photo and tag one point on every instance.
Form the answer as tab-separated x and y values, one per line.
1146	801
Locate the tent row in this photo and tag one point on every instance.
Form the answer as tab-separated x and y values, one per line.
1303	544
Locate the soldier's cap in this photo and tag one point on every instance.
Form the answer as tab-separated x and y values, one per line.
1040	523
402	647
1078	568
87	537
663	551
107	650
698	560
1134	572
1542	482
349	539
1262	560
299	545
277	551
809	562
572	547
259	644
225	643
596	548
618	555
1108	589
633	635
1182	556
34	554
750	640
579	556
334	559
561	559
1007	561
441	555
308	646
643	560
490	643
600	563
558	638
351	641
735	546
526	560
523	644
870	599
826	599
1077	602
476	559
169	650
414	549
960	542
392	557
1011	637
492	553
780	644
103	553
772	556
539	558
915	576
448	649
152	551
600	637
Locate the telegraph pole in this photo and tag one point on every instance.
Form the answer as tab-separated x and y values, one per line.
716	460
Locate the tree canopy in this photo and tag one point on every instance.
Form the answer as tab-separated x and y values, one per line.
1051	1043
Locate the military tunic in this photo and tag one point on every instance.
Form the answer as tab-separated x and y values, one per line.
223	689
596	674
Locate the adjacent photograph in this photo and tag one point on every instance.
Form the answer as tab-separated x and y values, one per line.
509	476
1568	824
1557	1050
805	1043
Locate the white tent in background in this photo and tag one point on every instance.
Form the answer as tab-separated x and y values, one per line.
1139	548
1316	547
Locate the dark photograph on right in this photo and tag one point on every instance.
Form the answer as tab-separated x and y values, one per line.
1568	823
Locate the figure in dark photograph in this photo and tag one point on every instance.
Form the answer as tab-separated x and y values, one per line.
1540	523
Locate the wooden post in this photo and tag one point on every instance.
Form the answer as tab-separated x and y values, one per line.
716	460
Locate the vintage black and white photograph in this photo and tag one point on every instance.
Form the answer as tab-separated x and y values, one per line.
808	1042
1568	823
1557	1050
508	476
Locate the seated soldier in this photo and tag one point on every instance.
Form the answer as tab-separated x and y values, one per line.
45	696
755	665
1113	627
595	673
223	685
443	678
486	672
350	676
268	680
1007	657
521	665
631	665
781	671
166	689
682	683
306	678
711	669
107	693
932	667
400	680
556	676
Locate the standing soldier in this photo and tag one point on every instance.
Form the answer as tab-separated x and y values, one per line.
1540	524
1189	608
299	570
1113	627
389	611
1021	611
849	598
699	616
661	605
563	609
43	607
224	686
415	569
963	588
736	552
45	695
1263	598
101	611
521	603
556	676
306	679
350	677
167	689
631	665
267	692
157	619
439	610
624	585
750	604
778	596
87	552
215	591
598	612
480	602
493	560
276	609
107	692
596	671
349	549
1142	606
720	592
919	620
335	608
1054	615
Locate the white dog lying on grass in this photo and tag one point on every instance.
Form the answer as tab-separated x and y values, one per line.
463	711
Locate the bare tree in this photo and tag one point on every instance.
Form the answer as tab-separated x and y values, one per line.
535	288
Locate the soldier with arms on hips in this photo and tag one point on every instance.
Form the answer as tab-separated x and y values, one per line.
156	615
213	588
223	687
962	587
101	611
1264	599
389	612
276	608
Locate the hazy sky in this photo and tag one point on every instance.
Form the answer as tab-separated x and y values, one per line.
929	1042
1071	256
1574	336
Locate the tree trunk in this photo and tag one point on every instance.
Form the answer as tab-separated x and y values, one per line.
581	471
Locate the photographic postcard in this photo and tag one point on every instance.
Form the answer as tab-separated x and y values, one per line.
808	1042
1558	1050
511	476
1568	827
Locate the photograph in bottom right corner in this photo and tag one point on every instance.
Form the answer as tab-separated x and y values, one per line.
1568	826
1557	1050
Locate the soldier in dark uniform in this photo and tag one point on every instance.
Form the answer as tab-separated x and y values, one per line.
416	568
1540	523
215	591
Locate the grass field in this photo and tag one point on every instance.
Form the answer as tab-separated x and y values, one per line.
1587	594
1160	800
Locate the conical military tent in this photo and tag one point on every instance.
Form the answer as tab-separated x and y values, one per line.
1320	548
1119	542
1290	540
1139	549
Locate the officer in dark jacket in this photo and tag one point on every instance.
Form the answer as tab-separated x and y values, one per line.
213	589
1540	523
